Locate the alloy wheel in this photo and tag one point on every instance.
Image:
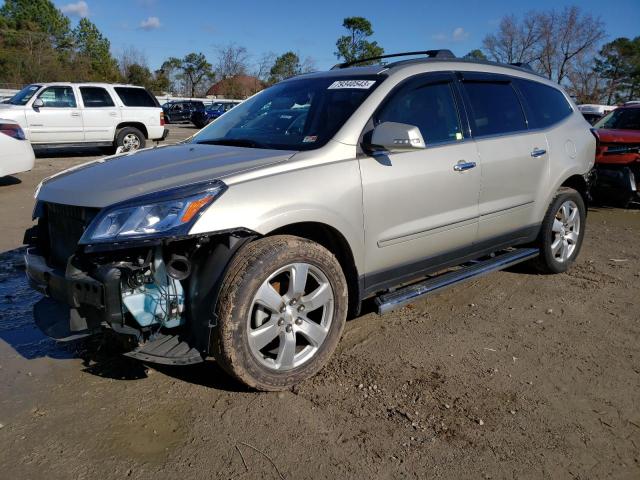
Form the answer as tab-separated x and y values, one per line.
290	316
565	231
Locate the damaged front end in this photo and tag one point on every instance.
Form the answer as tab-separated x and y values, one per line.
156	291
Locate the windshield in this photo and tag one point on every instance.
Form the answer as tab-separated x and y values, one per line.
24	95
622	118
301	114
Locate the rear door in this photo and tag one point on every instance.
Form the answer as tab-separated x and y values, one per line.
59	120
420	206
100	114
514	160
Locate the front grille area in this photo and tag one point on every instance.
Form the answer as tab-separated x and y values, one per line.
65	226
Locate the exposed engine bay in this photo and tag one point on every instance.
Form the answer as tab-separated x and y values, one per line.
152	292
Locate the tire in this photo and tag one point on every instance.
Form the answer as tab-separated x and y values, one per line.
267	347
559	225
130	138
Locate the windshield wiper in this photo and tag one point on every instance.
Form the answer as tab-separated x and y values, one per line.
233	142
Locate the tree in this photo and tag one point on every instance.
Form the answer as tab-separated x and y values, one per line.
288	65
192	70
355	45
476	55
92	46
139	75
618	64
515	41
233	60
567	37
37	15
552	42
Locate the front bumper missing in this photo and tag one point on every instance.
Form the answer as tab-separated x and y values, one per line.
79	305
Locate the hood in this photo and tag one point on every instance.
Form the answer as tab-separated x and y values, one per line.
612	135
115	179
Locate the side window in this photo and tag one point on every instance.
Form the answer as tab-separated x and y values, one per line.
431	107
95	97
136	97
545	105
58	97
495	108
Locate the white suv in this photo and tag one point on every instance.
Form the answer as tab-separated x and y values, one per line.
83	114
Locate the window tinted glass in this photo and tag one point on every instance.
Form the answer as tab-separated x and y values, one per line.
623	118
495	108
301	114
135	97
58	97
429	107
545	105
94	97
24	95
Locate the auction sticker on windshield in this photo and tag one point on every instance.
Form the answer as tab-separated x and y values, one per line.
360	84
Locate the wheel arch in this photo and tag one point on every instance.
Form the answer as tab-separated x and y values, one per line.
578	183
140	126
331	239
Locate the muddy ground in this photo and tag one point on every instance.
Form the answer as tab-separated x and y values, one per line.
516	375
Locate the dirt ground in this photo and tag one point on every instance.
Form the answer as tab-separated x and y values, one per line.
515	375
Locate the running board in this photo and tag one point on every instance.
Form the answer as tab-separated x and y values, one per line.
166	350
472	270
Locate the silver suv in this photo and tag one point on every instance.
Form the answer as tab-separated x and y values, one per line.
254	240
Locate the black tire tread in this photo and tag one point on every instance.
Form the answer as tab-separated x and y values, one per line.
240	272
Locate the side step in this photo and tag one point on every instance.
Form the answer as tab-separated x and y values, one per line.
167	350
469	271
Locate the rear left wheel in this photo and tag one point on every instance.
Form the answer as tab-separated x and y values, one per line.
282	308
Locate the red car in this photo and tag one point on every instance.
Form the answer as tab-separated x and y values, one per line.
618	156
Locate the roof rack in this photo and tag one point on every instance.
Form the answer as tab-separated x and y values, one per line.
429	53
524	65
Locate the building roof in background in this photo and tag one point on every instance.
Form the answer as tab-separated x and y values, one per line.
237	86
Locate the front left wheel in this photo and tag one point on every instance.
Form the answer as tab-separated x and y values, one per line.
281	311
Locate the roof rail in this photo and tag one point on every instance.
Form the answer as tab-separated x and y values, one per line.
429	53
524	65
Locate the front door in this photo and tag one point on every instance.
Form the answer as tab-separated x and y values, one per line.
59	120
420	206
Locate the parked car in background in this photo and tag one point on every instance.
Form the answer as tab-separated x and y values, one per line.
180	111
86	114
592	113
16	154
252	240
204	117
618	156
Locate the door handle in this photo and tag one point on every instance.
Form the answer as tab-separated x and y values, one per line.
113	114
75	114
461	166
538	152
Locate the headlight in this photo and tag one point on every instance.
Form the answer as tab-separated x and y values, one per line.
160	214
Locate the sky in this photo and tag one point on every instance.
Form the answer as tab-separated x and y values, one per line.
164	28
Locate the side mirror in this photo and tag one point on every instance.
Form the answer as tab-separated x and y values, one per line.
396	137
38	103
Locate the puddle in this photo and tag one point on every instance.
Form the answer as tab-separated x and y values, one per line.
17	299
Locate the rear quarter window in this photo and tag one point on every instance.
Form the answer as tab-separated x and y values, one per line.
544	105
136	97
